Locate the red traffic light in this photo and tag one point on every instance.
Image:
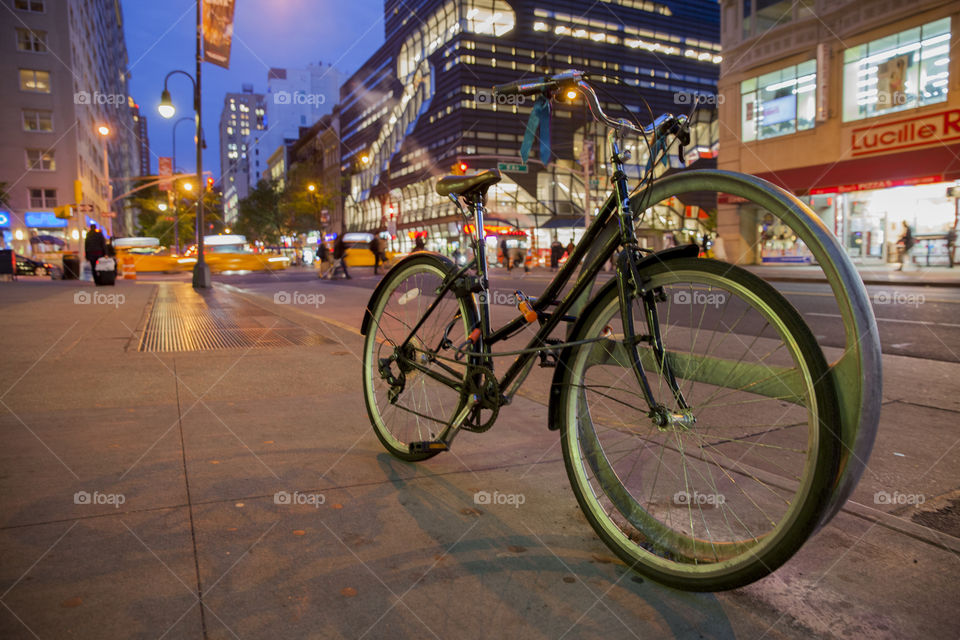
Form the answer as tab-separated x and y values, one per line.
463	167
459	168
210	183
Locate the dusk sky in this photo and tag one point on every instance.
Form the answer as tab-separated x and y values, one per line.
267	33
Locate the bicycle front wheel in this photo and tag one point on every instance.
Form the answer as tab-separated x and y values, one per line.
731	486
406	403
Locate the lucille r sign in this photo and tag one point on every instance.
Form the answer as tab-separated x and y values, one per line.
943	126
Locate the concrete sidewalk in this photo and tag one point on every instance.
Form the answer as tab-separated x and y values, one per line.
240	492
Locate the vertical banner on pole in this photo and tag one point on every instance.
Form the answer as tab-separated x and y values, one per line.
217	31
165	170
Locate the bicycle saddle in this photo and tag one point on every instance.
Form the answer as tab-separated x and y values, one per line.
462	184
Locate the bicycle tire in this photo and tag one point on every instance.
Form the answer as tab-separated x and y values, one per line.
390	322
661	540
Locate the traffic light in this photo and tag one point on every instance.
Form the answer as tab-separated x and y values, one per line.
459	169
209	183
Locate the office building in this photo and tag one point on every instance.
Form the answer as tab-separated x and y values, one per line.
65	76
421	104
242	162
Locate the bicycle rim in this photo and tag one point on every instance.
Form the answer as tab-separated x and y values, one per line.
722	500
424	406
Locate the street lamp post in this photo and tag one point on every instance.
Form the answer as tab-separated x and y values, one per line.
201	271
104	132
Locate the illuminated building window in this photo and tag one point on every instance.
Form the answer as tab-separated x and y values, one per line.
900	71
779	103
34	80
40	160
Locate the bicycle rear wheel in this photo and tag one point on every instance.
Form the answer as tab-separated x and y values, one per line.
404	403
724	494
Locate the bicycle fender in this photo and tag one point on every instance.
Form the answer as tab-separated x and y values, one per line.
367	316
673	253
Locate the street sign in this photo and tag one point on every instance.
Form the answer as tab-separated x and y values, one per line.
165	169
512	167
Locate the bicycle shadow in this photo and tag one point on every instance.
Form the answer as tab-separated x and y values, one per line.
525	568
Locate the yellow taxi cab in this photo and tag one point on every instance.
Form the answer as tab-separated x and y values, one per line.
232	253
358	252
150	257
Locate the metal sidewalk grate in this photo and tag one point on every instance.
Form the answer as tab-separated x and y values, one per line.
183	319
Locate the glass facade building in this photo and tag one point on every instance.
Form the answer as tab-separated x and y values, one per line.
422	103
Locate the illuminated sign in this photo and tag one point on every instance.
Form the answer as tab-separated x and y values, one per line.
4	218
43	219
935	128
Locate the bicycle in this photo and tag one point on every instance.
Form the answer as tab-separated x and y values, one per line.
701	426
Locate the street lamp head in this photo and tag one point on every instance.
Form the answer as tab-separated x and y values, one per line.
166	108
311	188
162	206
103	130
365	159
188	186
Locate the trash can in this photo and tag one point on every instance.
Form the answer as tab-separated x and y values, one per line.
71	266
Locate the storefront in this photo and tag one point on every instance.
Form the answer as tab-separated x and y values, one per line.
863	127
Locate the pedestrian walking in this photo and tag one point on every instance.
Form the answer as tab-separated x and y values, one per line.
951	244
418	244
375	250
326	260
904	244
95	247
570	248
556	252
340	256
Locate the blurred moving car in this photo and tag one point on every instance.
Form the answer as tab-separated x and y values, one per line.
149	257
232	253
30	267
358	251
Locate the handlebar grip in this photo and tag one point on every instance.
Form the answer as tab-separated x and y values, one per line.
508	89
525	87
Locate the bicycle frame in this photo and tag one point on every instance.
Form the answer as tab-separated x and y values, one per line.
615	210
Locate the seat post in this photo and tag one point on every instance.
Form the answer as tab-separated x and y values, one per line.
480	240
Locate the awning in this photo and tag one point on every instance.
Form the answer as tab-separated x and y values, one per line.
931	164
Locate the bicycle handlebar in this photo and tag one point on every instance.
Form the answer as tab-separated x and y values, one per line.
665	124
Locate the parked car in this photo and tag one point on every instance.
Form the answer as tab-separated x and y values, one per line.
30	267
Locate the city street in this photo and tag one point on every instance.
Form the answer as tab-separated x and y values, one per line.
184	464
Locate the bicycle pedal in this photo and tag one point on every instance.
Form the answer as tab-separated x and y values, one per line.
428	446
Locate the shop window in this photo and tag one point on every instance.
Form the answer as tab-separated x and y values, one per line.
43	198
34	80
779	103
37	120
40	160
30	40
900	71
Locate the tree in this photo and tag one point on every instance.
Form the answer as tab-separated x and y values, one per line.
303	205
261	215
